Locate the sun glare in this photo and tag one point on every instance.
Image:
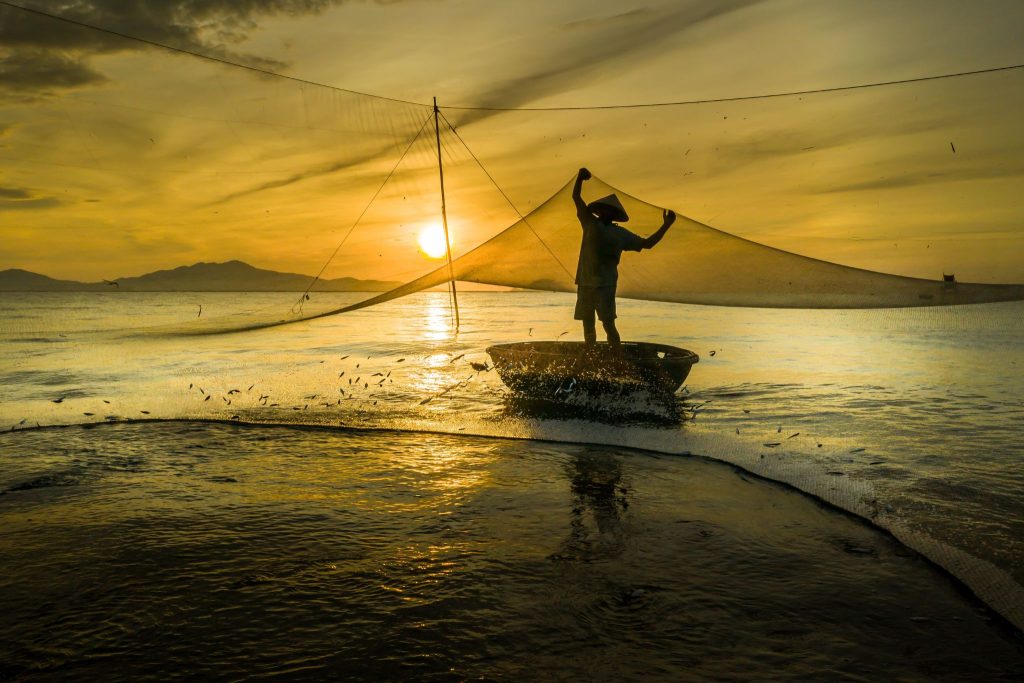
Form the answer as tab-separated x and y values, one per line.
432	241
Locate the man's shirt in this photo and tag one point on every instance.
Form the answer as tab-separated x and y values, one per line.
600	250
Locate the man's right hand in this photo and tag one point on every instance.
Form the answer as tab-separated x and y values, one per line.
584	174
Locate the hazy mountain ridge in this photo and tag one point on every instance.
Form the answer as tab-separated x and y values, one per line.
230	276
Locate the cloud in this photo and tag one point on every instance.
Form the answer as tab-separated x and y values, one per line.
28	69
603	48
20	198
914	179
43	53
734	150
615	19
14	193
314	172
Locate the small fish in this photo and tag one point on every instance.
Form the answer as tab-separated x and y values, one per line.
207	397
711	353
779	430
366	385
377	374
200	311
190	386
357	366
745	410
952	147
144	412
737	430
234	417
530	332
250	387
342	374
58	400
24	420
201	390
400	360
274	405
461	355
343	358
858	450
358	378
89	414
562	335
792	435
106	401
772	444
424	402
234	391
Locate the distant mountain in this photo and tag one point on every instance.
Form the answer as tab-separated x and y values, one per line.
18	280
232	276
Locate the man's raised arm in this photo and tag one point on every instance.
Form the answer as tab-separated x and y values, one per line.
669	219
577	189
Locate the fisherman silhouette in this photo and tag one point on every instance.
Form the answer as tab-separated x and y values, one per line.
597	273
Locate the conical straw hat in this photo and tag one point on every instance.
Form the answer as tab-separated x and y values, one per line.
619	213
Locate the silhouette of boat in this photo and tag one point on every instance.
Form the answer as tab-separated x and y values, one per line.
547	369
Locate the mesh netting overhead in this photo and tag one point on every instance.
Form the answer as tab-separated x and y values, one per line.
694	263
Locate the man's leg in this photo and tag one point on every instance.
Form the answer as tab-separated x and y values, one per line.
585	303
590	329
606	312
613	334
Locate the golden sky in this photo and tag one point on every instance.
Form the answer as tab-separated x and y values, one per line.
118	158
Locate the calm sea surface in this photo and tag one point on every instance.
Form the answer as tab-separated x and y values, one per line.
375	497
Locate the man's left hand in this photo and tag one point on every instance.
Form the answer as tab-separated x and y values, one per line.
669	217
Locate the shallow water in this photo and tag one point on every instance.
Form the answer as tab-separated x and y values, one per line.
161	551
912	419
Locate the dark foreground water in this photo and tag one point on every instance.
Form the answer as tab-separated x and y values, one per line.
201	551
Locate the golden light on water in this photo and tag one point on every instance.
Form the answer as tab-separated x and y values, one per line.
432	241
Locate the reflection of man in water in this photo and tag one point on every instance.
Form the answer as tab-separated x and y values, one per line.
602	246
597	487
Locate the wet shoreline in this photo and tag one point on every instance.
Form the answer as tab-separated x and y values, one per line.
683	567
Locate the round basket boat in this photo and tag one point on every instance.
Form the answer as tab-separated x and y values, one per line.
546	369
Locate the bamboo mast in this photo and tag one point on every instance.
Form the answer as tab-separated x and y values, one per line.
444	220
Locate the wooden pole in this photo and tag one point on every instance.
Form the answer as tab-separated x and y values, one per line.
444	220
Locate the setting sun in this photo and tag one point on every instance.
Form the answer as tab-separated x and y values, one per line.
432	241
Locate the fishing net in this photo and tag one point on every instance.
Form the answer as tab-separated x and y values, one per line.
694	263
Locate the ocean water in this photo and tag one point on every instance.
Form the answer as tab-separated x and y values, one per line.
357	475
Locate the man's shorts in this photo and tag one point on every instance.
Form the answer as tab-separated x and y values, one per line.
590	300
